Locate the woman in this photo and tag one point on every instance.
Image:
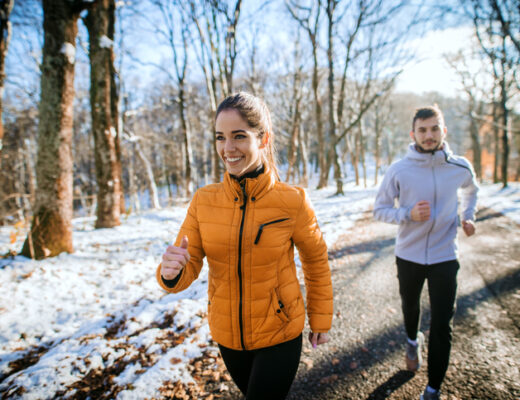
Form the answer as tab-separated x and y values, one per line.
247	227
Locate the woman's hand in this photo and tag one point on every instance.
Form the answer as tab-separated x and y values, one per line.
174	259
318	338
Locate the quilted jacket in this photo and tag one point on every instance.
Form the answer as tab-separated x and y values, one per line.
248	231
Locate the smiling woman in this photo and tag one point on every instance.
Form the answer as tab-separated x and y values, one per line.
247	227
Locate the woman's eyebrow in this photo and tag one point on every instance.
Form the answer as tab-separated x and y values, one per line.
235	131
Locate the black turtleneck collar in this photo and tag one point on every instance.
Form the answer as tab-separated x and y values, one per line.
252	174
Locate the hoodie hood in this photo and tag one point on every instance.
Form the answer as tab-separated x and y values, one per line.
430	158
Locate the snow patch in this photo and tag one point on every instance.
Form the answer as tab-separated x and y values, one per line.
69	50
105	42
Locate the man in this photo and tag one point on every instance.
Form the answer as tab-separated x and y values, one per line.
425	184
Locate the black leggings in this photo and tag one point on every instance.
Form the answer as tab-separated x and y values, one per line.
265	373
442	287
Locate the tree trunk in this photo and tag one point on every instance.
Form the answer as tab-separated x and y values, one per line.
295	127
5	33
362	151
475	142
355	156
322	151
150	180
303	155
100	24
377	145
496	141
117	122
188	174
51	229
505	133
333	153
135	204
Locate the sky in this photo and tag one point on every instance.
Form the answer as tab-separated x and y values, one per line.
430	72
102	306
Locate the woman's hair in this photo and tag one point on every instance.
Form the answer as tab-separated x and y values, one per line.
256	114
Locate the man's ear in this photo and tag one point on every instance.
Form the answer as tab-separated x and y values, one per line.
412	136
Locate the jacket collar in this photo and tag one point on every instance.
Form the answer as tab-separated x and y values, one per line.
438	157
256	186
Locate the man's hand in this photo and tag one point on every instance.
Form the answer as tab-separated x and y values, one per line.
468	227
318	338
421	211
174	259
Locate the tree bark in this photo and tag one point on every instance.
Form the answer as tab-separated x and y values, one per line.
100	25
5	33
303	154
333	153
377	144
505	130
152	187
475	141
51	229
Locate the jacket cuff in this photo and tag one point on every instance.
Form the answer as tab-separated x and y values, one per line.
171	282
167	284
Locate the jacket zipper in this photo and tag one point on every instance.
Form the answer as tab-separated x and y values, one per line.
240	319
431	214
261	228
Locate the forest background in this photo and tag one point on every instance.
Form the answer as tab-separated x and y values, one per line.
107	103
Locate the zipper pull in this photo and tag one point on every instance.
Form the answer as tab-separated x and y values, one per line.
243	187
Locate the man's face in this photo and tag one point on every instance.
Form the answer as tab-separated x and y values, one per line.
428	134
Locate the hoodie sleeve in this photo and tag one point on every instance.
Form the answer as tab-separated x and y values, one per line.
384	206
468	194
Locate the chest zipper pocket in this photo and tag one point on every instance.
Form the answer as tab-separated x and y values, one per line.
261	228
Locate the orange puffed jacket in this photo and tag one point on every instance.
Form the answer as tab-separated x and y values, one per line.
248	231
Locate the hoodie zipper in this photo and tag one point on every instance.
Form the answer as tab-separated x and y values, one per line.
431	212
240	319
261	228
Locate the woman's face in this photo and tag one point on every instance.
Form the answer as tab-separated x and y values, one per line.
237	144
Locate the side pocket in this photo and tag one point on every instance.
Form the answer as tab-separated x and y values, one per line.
278	307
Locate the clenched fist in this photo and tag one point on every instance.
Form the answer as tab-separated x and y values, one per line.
468	227
174	259
421	211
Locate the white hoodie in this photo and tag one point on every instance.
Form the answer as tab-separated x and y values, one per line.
435	177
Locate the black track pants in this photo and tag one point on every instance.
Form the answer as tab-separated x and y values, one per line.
264	373
442	287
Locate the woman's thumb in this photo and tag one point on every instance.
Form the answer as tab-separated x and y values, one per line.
184	242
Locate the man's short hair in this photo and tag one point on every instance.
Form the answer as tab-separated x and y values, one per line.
427	112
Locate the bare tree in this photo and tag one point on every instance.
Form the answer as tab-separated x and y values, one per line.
475	98
308	17
499	42
100	22
51	229
295	112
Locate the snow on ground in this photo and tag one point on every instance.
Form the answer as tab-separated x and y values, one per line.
100	308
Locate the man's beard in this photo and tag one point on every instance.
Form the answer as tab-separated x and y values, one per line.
423	150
